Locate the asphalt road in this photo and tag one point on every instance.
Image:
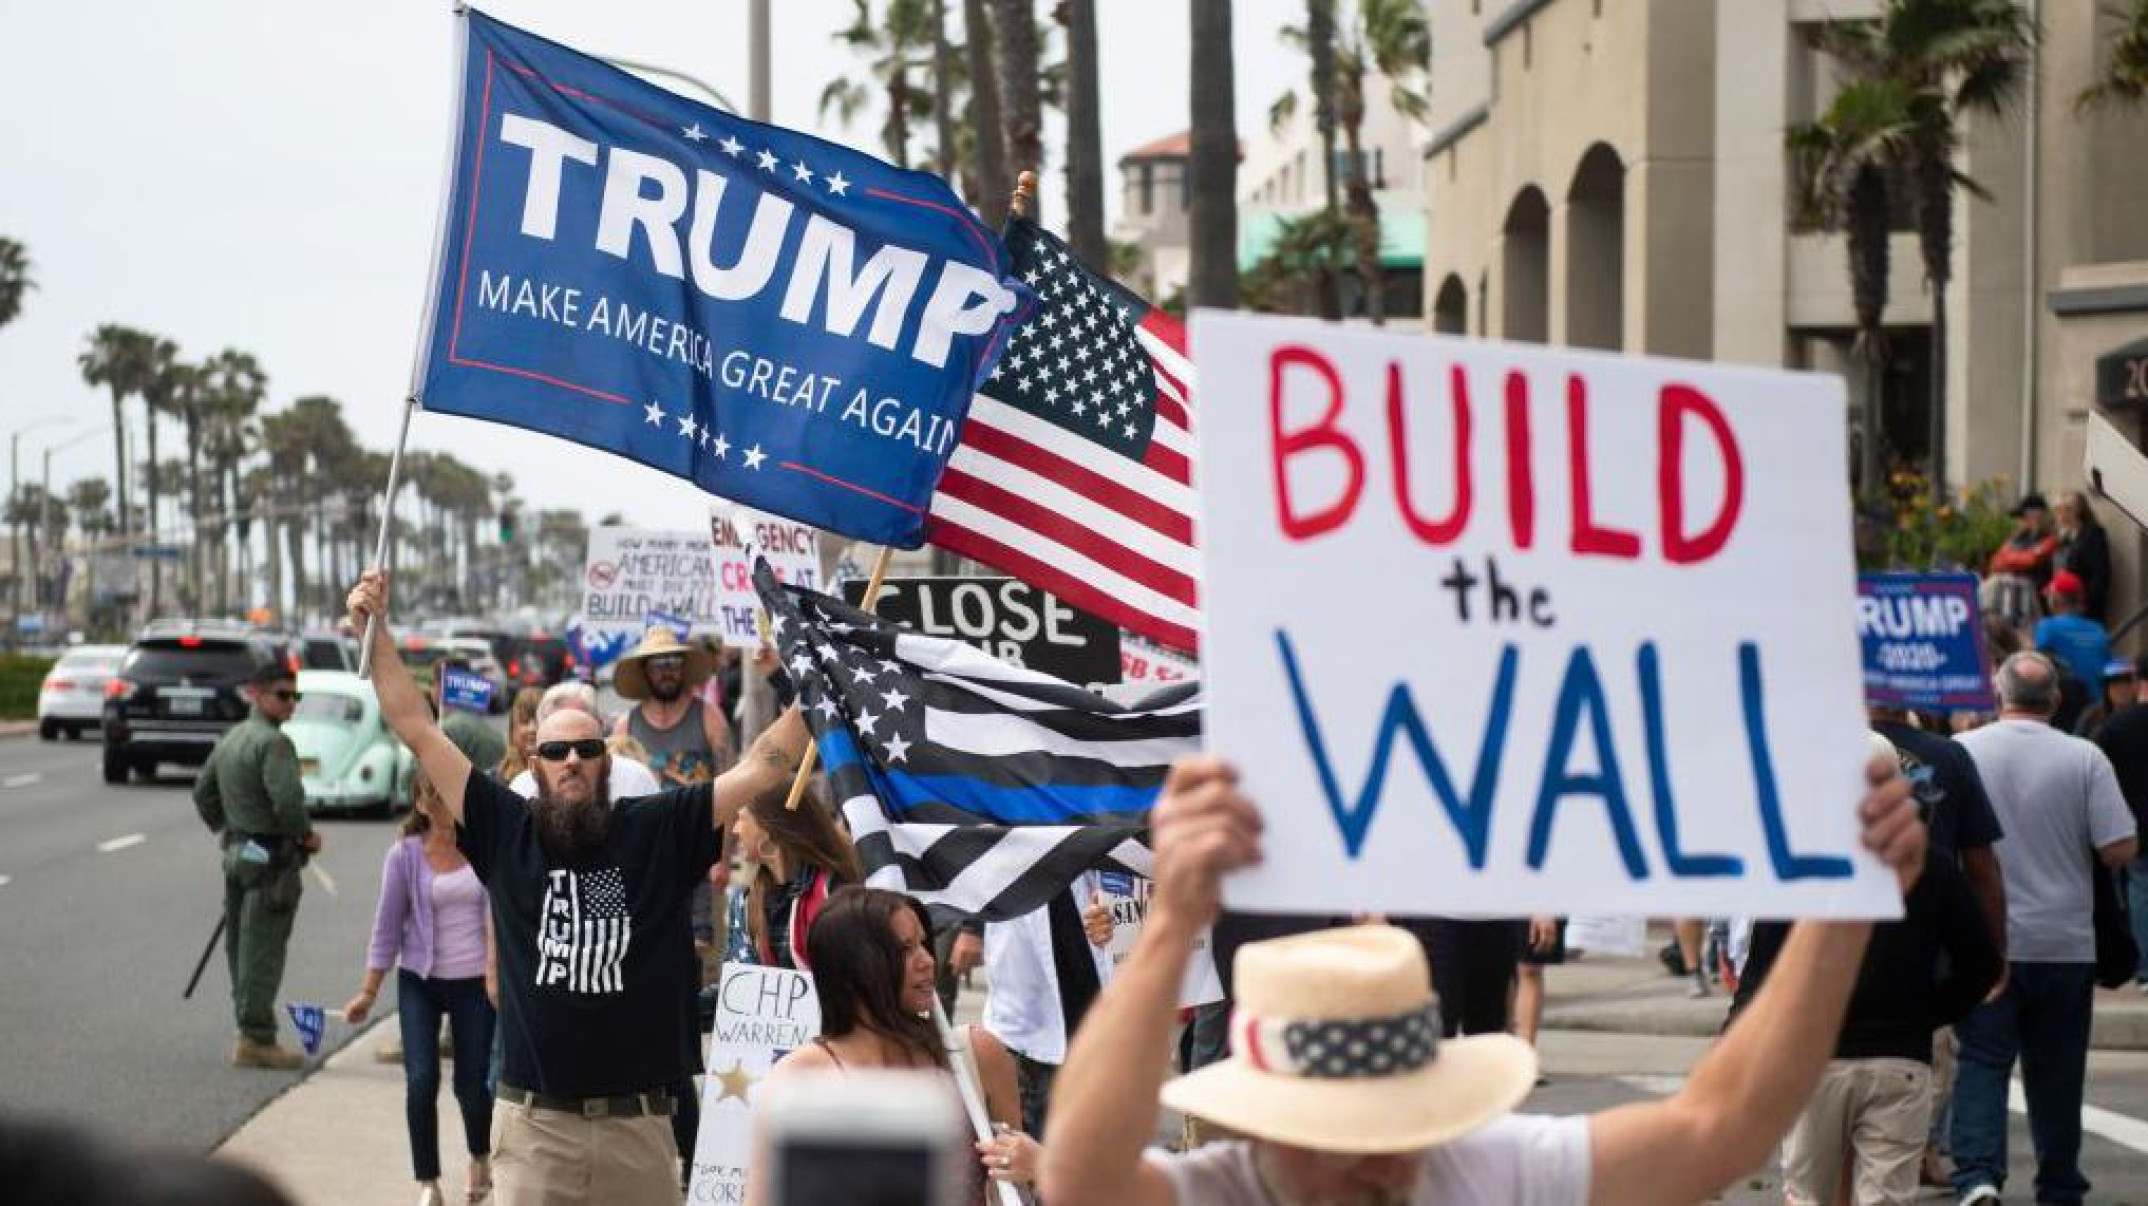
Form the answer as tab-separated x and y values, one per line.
106	897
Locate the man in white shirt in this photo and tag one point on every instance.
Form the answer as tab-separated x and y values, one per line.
2057	799
1340	1079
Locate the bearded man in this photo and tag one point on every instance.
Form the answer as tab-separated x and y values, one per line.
590	917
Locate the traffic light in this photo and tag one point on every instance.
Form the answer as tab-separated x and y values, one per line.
508	520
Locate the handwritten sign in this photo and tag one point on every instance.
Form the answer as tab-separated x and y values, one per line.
1007	618
1504	629
634	573
761	1013
739	534
1923	640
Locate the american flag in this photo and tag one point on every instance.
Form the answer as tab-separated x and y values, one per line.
1075	468
976	786
585	931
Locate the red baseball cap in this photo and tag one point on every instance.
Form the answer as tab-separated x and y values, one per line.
2066	582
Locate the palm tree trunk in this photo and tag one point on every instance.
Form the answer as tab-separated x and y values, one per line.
1866	238
1014	24
994	185
943	87
196	566
1365	223
119	456
1320	45
1212	162
1085	141
156	564
1935	240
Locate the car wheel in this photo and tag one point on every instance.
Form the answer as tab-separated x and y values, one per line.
48	730
74	732
115	766
145	772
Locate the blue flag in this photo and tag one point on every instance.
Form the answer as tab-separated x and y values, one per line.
1923	639
785	322
311	1021
679	625
466	690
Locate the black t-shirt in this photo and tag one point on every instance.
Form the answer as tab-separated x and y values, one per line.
2124	740
595	999
1950	794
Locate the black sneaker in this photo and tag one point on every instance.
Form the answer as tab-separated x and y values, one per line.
1674	961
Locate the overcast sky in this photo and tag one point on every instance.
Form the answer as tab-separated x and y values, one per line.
265	175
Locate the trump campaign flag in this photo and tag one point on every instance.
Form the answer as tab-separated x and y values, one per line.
782	321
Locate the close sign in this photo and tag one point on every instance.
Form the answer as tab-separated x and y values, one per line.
1503	629
1007	618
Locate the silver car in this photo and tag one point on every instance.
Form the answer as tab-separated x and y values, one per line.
71	700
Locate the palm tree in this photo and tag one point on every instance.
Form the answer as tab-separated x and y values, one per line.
1212	164
219	429
2125	77
166	380
1842	164
14	279
899	51
307	443
1014	29
1085	139
88	498
1952	59
121	359
988	137
945	87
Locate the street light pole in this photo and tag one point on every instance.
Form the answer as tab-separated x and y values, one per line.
14	491
44	516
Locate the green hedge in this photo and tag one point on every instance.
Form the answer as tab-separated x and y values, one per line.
20	677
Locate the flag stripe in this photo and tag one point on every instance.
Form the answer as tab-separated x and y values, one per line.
1013	490
1007	500
997	736
1079	579
1054	452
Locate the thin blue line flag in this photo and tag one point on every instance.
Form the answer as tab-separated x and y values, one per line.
783	321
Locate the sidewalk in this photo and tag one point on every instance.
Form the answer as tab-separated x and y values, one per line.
1636	996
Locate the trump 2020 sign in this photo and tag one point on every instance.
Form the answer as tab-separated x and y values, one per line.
1500	629
785	322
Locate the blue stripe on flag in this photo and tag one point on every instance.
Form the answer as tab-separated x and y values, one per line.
1059	804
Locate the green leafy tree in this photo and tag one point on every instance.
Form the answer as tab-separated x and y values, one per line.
123	360
15	282
898	46
2125	76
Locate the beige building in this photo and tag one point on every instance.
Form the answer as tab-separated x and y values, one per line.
1152	214
1612	173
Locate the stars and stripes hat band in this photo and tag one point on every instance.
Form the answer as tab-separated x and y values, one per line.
1338	1047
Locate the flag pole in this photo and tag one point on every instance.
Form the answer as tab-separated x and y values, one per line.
963	1063
812	749
387	518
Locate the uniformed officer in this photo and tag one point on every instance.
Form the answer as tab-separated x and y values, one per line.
249	795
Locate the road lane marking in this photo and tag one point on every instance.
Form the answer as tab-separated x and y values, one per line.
120	843
5	880
2110	1124
327	885
22	780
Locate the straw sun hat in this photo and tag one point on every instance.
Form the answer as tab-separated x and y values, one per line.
1335	1046
631	680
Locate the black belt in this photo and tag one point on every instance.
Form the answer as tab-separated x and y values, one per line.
626	1105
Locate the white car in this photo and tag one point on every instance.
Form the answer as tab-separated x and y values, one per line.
72	698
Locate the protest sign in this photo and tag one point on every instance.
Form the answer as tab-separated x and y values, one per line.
1127	896
633	574
778	319
1923	639
761	1013
311	1022
465	690
1501	629
1147	663
739	534
1006	617
1598	934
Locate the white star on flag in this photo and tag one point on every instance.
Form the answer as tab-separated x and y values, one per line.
801	173
731	146
754	457
694	133
837	185
895	700
687	426
898	749
825	707
801	664
768	160
866	721
653	413
722	446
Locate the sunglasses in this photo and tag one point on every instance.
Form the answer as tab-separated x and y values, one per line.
285	694
589	749
670	661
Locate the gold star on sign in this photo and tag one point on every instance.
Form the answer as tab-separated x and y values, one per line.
735	1084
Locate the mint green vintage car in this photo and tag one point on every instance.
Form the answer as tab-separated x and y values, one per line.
347	757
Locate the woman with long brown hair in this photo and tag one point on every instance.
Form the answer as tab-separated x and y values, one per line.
521	733
871	952
802	857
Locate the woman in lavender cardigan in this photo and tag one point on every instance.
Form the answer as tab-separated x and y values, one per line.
433	919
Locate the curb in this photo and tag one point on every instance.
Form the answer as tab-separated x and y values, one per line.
2117	1026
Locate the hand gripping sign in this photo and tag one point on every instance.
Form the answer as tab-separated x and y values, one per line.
1497	629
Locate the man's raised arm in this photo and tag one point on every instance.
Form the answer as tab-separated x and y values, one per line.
768	766
1748	1089
402	704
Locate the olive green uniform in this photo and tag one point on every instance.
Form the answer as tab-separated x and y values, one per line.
478	741
249	794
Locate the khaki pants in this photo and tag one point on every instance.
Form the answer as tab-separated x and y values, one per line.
1870	1113
551	1158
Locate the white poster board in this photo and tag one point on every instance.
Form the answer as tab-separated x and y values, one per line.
631	572
738	534
761	1013
1502	629
1127	896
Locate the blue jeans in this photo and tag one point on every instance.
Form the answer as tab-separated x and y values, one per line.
420	1004
2137	903
2043	1017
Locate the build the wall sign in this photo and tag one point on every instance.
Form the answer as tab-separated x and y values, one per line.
1007	618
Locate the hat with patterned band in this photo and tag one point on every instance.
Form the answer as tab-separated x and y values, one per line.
1335	1046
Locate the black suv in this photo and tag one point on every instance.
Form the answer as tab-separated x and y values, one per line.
177	691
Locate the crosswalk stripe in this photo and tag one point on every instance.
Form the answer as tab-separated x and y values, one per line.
120	843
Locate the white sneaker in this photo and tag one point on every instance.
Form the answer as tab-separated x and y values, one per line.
429	1194
1979	1193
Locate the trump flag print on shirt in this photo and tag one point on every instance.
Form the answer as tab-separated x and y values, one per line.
782	321
585	931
